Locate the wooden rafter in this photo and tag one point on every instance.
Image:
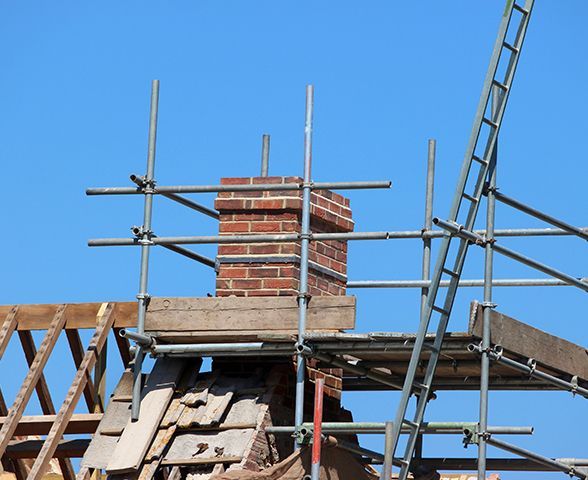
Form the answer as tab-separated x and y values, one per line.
7	329
41	424
105	320
15	412
80	315
77	352
43	393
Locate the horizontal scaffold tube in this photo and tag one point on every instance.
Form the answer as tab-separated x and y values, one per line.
218	348
558	465
240	188
459	231
572	230
428	428
497	282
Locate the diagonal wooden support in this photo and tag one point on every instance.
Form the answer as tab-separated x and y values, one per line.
105	320
45	400
11	464
77	352
30	381
123	347
7	329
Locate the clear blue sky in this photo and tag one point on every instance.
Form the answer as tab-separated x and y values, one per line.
388	75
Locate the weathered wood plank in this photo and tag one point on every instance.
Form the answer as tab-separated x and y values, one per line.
248	313
77	352
41	424
124	346
160	442
30	381
8	327
31	449
8	464
79	315
105	319
115	419
137	436
208	446
527	341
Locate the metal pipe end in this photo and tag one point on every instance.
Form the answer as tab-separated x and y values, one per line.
122	332
472	347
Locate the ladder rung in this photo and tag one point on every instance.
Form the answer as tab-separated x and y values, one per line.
487	121
479	160
446	270
510	47
440	310
471	199
500	85
411	424
520	9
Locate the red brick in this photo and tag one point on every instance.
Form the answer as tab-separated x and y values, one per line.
246	284
229	272
234	227
233	249
277	283
267	227
263	272
235	180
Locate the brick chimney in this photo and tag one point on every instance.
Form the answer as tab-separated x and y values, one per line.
273	269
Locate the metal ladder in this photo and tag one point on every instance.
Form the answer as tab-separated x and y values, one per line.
452	265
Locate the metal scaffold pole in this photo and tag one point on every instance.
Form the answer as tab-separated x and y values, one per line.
304	247
487	305
145	241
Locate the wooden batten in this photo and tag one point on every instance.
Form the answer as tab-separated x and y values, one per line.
515	336
78	315
248	314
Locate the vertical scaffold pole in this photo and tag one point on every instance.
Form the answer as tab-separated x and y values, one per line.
428	226
487	305
304	244
265	148
317	434
145	240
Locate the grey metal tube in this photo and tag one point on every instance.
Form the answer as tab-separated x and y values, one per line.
479	240
265	148
192	255
428	224
212	348
564	467
139	181
541	216
103	242
140	338
388	452
304	244
376	376
428	428
241	188
533	372
500	282
143	296
487	304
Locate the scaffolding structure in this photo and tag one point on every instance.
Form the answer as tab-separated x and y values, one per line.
335	350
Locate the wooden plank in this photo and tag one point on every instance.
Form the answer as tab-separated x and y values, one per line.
31	449
527	341
124	346
41	424
137	436
244	411
115	419
8	327
160	442
24	394
248	313
104	324
11	464
80	315
208	446
77	352
43	393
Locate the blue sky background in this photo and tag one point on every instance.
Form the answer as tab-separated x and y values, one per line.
388	75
